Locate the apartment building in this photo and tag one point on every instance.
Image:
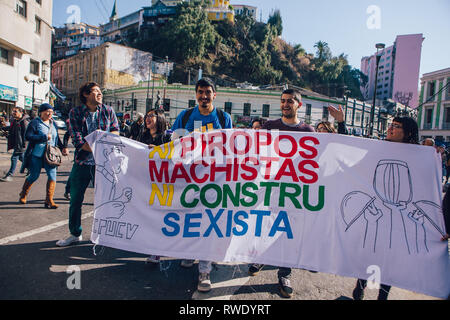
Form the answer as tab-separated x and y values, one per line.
434	111
25	52
398	71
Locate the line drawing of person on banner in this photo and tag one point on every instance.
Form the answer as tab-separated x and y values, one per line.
113	165
393	185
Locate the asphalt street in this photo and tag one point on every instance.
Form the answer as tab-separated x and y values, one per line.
32	267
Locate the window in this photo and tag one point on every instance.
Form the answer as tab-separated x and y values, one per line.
21	8
447	94
428	118
325	113
4	55
38	25
431	88
266	110
39	2
34	67
247	108
228	106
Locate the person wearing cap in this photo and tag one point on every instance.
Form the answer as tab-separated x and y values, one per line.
40	132
16	139
92	115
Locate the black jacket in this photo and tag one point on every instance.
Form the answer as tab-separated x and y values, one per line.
16	136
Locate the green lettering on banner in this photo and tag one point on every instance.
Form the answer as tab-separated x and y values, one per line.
284	194
268	186
227	193
203	195
249	194
321	200
183	196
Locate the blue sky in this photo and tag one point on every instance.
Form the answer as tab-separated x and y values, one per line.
352	27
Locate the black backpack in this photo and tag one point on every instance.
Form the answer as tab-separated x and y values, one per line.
187	115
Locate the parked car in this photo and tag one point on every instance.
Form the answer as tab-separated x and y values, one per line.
59	123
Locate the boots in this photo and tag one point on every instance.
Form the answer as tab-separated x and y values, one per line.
25	189
49	204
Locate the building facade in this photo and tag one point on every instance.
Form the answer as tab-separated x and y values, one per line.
220	10
245	105
25	52
240	9
398	71
434	111
73	37
111	65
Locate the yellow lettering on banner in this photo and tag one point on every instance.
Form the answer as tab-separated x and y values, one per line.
162	153
165	198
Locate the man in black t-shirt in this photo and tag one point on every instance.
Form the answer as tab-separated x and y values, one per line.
291	101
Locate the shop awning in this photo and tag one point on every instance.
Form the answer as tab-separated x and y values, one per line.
58	93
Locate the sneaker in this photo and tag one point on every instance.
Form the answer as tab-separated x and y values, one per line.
6	179
67	195
204	284
187	263
285	287
152	259
70	240
254	269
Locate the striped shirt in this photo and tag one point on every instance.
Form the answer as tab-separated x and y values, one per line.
82	123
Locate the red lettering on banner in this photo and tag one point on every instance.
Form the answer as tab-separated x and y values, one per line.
227	169
287	170
268	165
179	172
253	171
163	171
185	148
194	174
293	146
217	143
248	142
307	147
259	143
312	174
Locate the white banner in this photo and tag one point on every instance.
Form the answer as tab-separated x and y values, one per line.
332	203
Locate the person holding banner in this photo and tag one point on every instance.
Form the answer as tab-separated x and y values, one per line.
403	130
92	115
154	134
291	101
203	117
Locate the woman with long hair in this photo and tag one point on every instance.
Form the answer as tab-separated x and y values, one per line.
154	134
41	131
155	126
402	130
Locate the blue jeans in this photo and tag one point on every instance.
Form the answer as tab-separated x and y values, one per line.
15	156
36	167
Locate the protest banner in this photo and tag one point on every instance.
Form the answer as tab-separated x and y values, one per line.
326	202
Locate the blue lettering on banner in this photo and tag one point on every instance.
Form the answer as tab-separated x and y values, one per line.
236	224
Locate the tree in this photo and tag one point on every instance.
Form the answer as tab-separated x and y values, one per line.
276	21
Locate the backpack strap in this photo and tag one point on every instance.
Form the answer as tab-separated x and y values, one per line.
221	116
186	117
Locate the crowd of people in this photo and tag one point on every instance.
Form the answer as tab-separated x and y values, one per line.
28	140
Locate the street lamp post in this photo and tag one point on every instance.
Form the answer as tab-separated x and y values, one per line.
38	81
379	46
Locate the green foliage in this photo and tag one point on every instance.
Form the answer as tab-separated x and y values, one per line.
276	21
247	50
